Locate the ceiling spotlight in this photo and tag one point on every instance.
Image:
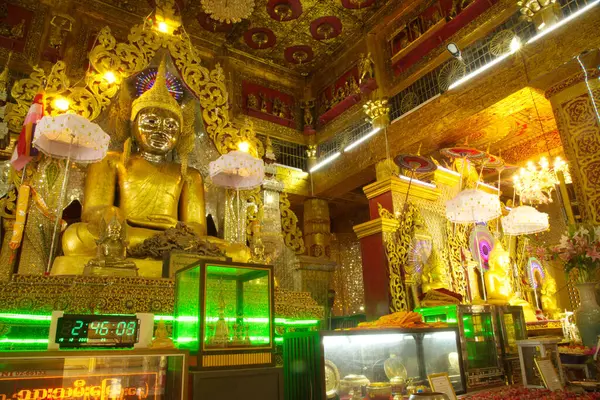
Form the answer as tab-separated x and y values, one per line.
454	50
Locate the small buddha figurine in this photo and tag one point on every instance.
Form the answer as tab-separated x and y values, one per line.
549	305
434	273
140	184
497	277
111	246
161	337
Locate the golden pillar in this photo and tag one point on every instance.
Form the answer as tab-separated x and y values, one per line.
579	127
317	235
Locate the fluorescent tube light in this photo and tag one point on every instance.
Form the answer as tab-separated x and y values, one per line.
362	139
563	21
480	70
417	181
448	170
325	161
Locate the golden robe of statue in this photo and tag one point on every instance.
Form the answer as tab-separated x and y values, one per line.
150	193
497	278
549	305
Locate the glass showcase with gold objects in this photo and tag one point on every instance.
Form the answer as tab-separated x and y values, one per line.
373	364
125	374
481	348
512	327
224	313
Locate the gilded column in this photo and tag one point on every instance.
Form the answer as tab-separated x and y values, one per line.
317	235
579	128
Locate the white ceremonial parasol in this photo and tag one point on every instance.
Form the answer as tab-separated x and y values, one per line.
240	171
237	170
472	206
525	220
70	137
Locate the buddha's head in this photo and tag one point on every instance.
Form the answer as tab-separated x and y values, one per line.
113	230
157	117
499	258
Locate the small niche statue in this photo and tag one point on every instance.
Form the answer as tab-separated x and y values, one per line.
111	255
161	337
365	68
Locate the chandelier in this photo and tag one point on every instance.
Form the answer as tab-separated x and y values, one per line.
535	183
228	11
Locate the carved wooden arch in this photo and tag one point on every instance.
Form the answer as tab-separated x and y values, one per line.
124	60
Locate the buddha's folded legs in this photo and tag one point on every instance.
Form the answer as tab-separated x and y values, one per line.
79	240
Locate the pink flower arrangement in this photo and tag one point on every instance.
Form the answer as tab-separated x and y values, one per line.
579	249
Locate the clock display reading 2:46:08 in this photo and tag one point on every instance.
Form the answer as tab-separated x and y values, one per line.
94	330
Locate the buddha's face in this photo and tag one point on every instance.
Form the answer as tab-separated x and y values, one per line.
156	130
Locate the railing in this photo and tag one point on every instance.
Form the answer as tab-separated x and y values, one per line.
289	154
425	88
343	139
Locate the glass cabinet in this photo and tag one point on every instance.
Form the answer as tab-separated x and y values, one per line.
94	375
348	364
224	313
480	340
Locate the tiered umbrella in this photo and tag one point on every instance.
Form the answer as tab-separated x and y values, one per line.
240	171
74	138
414	164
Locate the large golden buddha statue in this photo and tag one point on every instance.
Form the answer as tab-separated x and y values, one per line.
146	190
497	277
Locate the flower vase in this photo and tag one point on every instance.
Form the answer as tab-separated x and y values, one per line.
587	316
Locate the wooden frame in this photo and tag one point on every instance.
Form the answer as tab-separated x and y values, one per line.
548	373
444	385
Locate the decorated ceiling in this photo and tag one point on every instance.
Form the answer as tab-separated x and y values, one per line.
302	35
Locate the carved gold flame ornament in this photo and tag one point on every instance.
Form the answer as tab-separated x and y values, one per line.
229	11
378	112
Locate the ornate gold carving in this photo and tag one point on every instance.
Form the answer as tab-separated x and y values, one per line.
292	235
385	224
23	91
317	236
179	238
120	295
254	209
397	185
8	205
456	241
126	59
397	245
578	126
378	112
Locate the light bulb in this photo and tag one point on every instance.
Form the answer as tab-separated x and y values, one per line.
163	27
109	77
62	104
244	146
515	44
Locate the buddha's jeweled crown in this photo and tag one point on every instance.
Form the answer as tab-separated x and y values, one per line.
157	96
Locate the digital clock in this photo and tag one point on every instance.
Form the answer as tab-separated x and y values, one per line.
75	331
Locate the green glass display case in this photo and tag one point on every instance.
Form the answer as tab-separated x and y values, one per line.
480	339
341	364
224	314
512	327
